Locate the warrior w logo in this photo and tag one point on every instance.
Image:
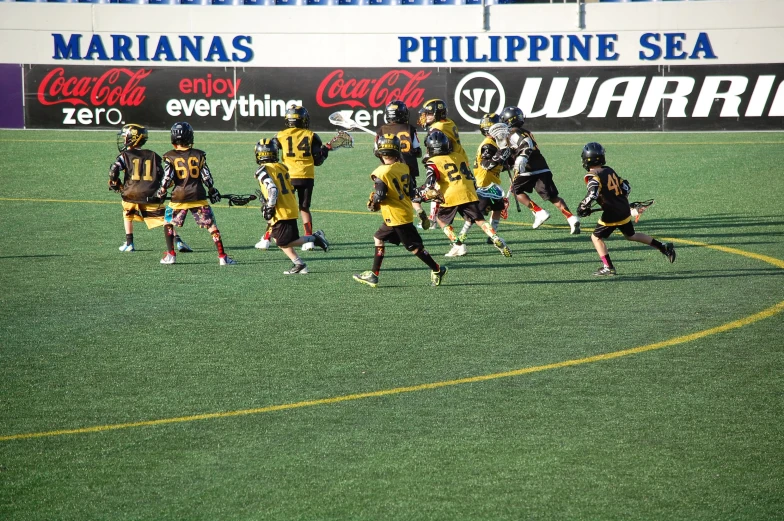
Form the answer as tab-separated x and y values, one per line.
477	94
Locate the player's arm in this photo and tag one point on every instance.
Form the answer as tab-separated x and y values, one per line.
522	147
626	188
432	175
209	182
318	150
380	190
168	176
266	181
416	146
114	174
584	208
490	157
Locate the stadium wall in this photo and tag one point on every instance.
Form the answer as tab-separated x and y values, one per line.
710	65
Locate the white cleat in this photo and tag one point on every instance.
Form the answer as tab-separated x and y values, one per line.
574	223
457	251
263	244
540	217
168	258
127	247
307	246
226	261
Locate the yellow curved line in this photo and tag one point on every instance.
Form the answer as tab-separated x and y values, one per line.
735	324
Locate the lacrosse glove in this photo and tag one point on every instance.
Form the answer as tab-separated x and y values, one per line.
115	186
372	205
160	194
214	195
583	210
268	212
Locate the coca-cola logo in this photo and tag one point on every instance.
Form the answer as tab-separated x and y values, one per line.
115	87
398	84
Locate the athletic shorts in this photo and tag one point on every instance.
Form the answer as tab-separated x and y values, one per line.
602	231
151	214
304	190
202	214
485	205
469	211
405	234
285	232
542	183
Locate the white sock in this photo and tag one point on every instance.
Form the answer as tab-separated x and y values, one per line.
466	226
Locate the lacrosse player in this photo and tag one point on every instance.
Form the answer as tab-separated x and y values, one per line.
490	158
448	173
303	152
532	173
186	168
280	208
396	119
393	190
142	178
610	191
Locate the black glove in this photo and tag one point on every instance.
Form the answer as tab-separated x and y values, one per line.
115	186
214	194
268	212
583	210
160	194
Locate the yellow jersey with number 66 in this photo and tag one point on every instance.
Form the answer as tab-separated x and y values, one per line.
396	208
286	206
455	179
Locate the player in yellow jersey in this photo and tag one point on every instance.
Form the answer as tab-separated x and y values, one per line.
301	151
449	173
280	207
392	193
186	169
142	178
487	169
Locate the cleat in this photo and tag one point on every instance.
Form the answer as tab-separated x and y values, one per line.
367	277
226	261
499	243
669	252
127	248
168	258
539	218
263	244
605	271
574	223
425	222
307	246
182	247
458	250
436	277
297	269
320	240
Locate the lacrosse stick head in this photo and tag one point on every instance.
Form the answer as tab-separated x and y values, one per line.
297	117
500	133
487	121
396	112
339	120
239	200
131	136
266	151
341	140
593	155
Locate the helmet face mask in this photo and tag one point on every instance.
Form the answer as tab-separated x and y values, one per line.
396	112
435	108
513	117
266	151
131	136
297	117
437	144
388	145
593	155
487	121
182	134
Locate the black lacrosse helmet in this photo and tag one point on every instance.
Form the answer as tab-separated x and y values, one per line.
436	107
487	121
388	145
513	117
266	151
396	112
131	136
182	134
297	117
437	144
593	155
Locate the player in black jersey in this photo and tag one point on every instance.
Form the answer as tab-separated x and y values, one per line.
142	177
396	119
611	191
186	168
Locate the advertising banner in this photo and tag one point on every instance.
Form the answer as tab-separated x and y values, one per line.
645	98
11	113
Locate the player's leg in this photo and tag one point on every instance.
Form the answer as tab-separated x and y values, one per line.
521	187
545	187
597	238
446	216
206	219
412	241
383	234
286	235
128	214
666	249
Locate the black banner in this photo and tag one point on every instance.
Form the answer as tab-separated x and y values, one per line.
738	97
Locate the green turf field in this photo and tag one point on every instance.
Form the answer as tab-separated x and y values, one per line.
522	388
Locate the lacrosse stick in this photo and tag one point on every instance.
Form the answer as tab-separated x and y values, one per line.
509	194
638	207
263	201
340	119
341	140
234	199
500	133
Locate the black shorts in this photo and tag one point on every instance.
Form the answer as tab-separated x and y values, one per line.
603	231
405	234
486	204
285	232
304	190
542	183
469	211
